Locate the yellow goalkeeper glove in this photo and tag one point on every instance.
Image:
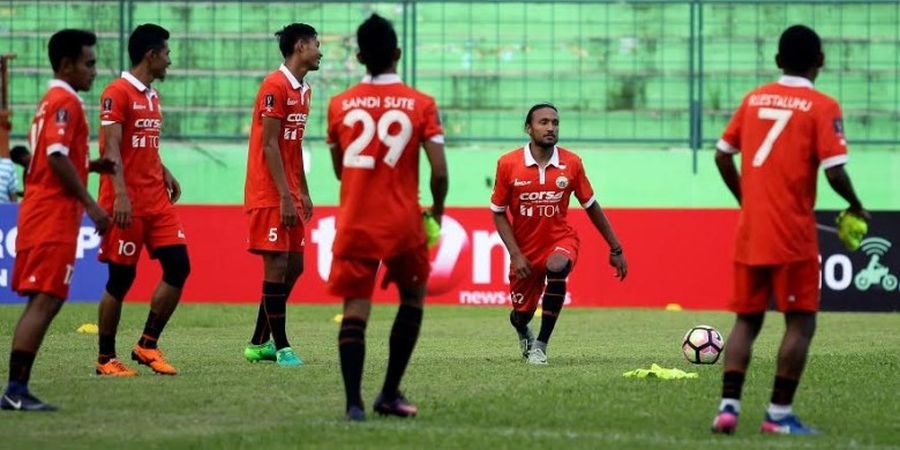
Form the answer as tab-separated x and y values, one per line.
432	229
851	229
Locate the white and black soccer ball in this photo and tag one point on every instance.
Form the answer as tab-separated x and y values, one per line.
702	345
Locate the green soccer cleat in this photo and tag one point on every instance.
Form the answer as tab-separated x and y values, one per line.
287	358
261	352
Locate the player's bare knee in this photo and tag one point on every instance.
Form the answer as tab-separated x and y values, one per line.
121	277
558	267
176	265
801	323
275	266
753	322
357	307
46	305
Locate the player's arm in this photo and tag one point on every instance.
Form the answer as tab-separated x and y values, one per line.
172	185
840	182
440	180
500	199
337	160
305	198
729	172
112	135
520	265
272	153
601	223
13	186
63	168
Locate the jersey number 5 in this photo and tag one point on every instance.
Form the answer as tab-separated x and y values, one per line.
396	143
781	117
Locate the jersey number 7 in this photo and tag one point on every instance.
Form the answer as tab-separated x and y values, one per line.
396	143
781	118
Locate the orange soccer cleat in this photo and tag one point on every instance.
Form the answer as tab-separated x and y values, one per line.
153	358
115	368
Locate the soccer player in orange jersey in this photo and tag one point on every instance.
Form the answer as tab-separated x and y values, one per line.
276	196
140	199
533	184
375	129
785	132
50	214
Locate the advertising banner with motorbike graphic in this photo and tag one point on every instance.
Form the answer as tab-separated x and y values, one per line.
866	279
675	256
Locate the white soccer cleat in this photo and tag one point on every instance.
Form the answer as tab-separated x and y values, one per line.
537	357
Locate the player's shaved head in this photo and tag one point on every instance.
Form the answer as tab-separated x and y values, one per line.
799	49
377	43
537	107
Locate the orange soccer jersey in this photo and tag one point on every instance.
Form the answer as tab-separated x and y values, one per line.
49	217
785	132
284	98
538	198
48	212
128	102
379	125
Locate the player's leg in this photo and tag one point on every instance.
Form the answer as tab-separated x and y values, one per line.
524	295
176	267
286	356
410	272
275	267
797	294
520	320
294	270
751	295
27	338
119	281
120	249
557	268
352	353
272	242
354	280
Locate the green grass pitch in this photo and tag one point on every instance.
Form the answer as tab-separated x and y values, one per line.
472	388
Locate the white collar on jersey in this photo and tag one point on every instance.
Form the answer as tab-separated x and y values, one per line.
141	87
385	78
56	82
292	79
530	161
792	81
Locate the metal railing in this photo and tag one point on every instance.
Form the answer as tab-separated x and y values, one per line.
643	72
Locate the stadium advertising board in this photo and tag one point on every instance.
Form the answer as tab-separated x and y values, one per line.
678	256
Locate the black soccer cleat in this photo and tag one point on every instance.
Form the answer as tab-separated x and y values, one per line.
24	402
356	414
398	406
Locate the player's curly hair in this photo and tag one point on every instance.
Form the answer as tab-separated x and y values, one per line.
537	107
289	35
377	43
799	48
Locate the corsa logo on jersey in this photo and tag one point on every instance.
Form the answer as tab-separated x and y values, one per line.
147	123
296	117
551	196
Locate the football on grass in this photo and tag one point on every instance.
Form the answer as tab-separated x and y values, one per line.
702	345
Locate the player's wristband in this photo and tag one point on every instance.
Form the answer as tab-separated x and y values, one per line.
615	251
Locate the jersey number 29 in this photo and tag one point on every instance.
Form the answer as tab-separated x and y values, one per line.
396	143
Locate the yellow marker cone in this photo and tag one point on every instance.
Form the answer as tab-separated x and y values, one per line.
338	318
88	328
673	307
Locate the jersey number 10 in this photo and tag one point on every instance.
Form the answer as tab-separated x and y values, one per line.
396	143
